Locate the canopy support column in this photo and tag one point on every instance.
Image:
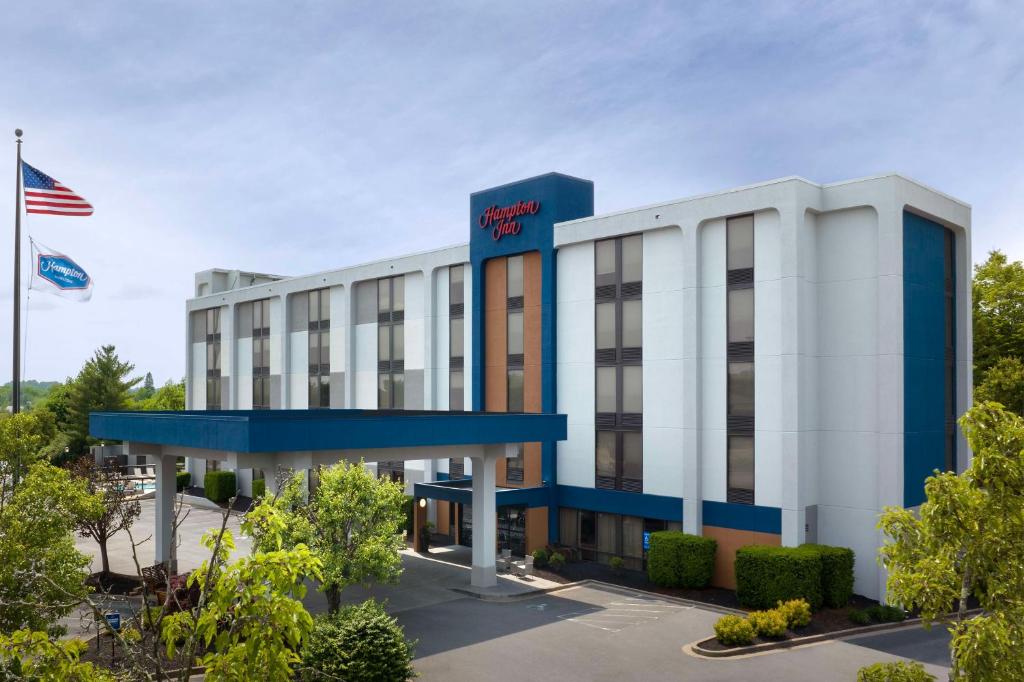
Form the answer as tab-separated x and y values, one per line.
485	521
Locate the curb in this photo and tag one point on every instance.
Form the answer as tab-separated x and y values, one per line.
518	596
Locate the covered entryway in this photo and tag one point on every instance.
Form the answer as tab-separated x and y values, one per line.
305	439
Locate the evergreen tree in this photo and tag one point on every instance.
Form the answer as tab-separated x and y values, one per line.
101	386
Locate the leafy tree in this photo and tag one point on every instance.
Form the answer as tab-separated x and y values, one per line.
353	523
41	573
170	396
998	298
101	385
31	655
147	390
58	403
120	505
25	438
250	615
32	393
968	540
1004	383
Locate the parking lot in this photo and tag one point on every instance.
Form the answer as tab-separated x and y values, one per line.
592	631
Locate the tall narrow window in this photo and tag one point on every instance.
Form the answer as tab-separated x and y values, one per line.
319	348
514	312
213	378
514	466
261	354
391	343
618	333
950	354
391	358
456	337
740	353
456	354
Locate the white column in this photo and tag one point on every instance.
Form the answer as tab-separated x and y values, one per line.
693	497
270	476
485	532
166	486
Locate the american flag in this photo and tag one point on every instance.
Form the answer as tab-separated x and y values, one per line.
43	194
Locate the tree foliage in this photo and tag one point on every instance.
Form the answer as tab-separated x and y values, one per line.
360	643
31	655
250	616
967	540
102	384
120	506
998	298
25	438
41	573
353	523
170	396
1004	384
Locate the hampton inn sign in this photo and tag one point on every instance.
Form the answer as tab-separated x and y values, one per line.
503	219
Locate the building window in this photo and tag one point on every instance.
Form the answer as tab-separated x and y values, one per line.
213	377
394	471
391	343
261	354
514	465
740	354
456	468
514	335
949	267
600	536
319	348
618	334
212	465
456	337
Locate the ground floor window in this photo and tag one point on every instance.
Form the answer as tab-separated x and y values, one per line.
600	536
511	525
392	470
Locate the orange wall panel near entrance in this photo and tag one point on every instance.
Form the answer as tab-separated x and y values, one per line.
536	528
443	524
532	371
496	345
729	540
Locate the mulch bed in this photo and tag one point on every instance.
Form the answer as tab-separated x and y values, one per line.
113	583
107	654
822	622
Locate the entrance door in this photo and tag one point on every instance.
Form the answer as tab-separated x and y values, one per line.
512	529
466	525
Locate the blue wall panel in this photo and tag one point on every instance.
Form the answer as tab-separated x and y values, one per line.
924	349
742	516
619	502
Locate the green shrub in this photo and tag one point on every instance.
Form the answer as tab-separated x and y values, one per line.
860	617
359	643
183	478
407	509
766	575
220	486
677	559
883	613
900	671
770	623
556	561
797	613
259	488
540	557
836	574
616	563
734	630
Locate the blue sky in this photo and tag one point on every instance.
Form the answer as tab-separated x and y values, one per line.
302	136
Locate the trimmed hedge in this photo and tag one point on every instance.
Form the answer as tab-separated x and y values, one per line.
766	575
359	643
678	559
183	478
900	671
259	487
219	486
836	574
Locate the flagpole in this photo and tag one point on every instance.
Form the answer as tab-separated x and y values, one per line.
16	379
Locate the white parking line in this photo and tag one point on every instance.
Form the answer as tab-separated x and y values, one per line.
617	615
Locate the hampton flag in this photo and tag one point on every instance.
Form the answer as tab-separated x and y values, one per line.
55	273
43	194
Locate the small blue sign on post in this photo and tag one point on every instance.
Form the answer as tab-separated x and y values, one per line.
647	540
113	620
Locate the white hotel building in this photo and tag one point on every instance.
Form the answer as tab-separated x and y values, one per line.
768	364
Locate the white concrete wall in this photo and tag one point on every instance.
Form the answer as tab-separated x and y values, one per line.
298	370
575	363
243	381
198	383
847	406
366	366
713	383
774	359
663	361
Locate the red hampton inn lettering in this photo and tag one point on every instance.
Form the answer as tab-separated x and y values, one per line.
502	219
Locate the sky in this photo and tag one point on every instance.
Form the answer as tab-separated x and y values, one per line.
294	137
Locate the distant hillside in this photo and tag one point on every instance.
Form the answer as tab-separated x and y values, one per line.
31	392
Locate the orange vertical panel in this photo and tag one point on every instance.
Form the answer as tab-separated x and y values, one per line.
729	540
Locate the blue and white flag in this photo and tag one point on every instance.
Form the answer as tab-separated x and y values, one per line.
55	273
